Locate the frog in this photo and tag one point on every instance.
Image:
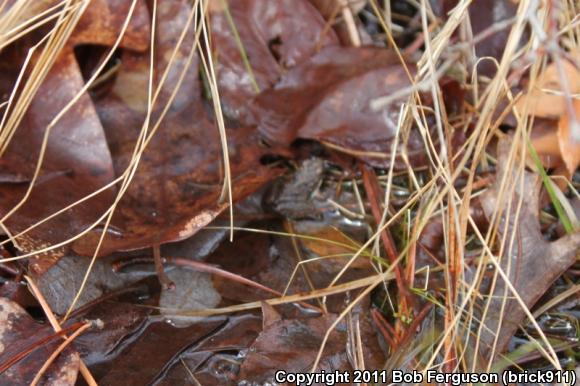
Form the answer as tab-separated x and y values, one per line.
293	196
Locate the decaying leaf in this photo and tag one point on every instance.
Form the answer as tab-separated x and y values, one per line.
60	283
178	183
327	98
292	345
19	334
145	360
182	190
531	263
77	160
273	36
217	359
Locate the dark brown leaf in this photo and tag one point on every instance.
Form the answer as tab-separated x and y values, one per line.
328	99
176	189
275	36
19	333
216	360
144	361
77	160
292	345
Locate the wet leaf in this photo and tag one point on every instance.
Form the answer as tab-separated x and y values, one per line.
217	359
177	187
77	160
159	344
62	281
77	157
273	36
292	345
531	263
19	333
328	99
122	322
103	21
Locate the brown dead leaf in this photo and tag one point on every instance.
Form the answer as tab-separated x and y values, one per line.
19	333
532	263
275	36
328	99
143	361
177	186
77	160
292	345
216	360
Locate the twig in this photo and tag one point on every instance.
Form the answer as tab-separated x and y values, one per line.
165	281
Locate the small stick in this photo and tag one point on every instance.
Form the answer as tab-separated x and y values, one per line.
163	278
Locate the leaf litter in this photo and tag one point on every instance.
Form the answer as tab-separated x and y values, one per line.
352	174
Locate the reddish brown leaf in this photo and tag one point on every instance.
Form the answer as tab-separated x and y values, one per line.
144	360
216	361
328	99
19	333
103	21
275	36
77	160
177	187
292	345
